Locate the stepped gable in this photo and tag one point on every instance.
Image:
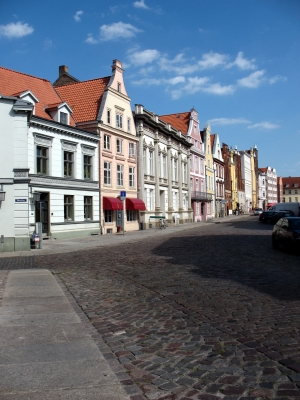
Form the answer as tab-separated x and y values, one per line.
13	83
180	121
84	98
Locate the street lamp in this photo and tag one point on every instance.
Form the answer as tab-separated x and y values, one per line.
36	196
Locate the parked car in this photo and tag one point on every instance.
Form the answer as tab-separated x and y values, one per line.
271	217
257	211
286	233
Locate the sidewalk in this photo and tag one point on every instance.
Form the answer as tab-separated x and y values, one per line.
46	350
53	246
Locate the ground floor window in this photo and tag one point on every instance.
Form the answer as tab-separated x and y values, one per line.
107	215
88	207
131	215
69	208
202	208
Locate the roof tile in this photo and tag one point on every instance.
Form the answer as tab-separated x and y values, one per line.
180	121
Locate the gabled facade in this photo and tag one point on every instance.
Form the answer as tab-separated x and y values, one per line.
291	189
43	152
164	169
103	106
219	204
209	170
188	124
271	185
247	180
262	188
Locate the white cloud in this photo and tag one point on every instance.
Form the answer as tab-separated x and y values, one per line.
217	88
117	30
264	125
48	44
242	62
140	4
90	39
277	78
211	60
15	30
155	81
144	57
77	16
228	121
176	80
253	80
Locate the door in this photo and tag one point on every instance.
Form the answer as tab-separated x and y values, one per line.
42	213
119	218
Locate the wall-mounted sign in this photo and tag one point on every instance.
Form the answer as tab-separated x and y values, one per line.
20	200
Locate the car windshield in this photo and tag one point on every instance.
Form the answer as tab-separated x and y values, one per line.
295	224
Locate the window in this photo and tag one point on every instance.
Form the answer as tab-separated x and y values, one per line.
131	150
119	121
108	116
131	215
131	177
151	162
151	199
120	175
107	180
175	200
296	191
88	207
106	143
290	192
63	118
184	173
68	163
42	160
290	199
175	170
87	167
192	161
107	216
119	146
164	165
69	208
196	143
296	199
196	164
191	183
119	87
197	185
128	124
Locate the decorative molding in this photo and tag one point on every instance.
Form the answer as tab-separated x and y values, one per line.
21	173
90	151
42	140
68	146
119	108
119	158
107	155
44	180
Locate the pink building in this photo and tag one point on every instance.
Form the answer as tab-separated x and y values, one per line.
188	124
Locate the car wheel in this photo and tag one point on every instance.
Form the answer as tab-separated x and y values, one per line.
275	245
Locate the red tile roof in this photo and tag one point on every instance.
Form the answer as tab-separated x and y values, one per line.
180	121
13	83
264	170
292	181
84	98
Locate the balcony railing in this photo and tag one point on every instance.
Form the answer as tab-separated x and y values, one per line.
203	196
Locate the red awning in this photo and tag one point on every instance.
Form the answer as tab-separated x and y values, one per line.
271	204
112	203
135	204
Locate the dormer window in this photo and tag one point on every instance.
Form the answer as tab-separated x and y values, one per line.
63	118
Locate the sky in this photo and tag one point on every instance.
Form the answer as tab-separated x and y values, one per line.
237	62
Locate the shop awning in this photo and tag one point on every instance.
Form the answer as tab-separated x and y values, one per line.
112	203
135	204
271	204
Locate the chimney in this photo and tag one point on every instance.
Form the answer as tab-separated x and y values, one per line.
63	69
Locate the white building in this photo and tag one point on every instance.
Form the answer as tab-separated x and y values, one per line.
41	151
246	173
262	188
271	185
163	169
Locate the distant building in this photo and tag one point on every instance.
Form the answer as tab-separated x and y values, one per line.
279	189
271	185
291	189
262	188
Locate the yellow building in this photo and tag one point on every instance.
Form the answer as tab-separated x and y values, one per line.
233	178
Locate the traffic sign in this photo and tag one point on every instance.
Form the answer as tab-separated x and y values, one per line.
123	194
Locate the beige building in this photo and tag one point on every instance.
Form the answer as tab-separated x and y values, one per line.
291	189
102	105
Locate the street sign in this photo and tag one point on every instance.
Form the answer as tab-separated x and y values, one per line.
123	195
20	200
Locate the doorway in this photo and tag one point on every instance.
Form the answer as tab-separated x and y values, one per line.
119	218
42	213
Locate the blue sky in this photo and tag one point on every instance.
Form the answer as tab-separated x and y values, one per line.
236	61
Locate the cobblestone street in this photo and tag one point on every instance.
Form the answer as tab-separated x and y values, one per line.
207	313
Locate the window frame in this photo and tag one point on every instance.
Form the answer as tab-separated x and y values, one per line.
42	159
119	146
68	162
88	205
107	172
108	216
119	120
65	116
108	116
131	215
120	175
131	176
106	142
88	165
68	205
131	146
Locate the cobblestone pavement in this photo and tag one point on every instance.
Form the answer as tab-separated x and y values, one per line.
208	313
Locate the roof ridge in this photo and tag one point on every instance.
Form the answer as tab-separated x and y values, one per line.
183	112
23	73
77	83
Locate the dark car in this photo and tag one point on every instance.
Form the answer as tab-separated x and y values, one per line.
271	217
286	233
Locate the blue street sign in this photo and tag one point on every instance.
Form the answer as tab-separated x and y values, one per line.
123	194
